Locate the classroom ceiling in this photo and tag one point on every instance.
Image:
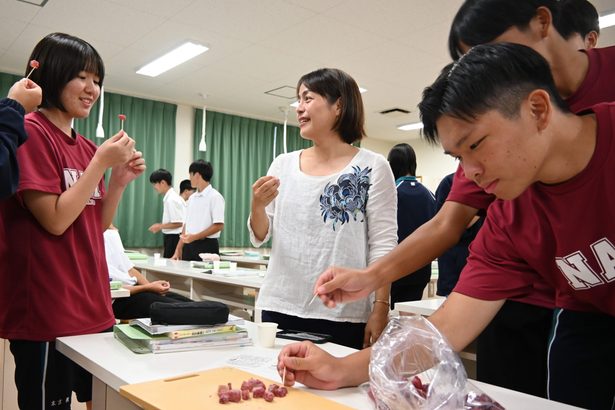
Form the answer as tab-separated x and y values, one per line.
393	48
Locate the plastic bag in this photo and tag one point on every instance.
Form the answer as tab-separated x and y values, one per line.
413	367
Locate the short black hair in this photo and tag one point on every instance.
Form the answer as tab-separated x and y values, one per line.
61	57
185	185
489	77
202	167
335	84
161	175
577	17
402	160
482	21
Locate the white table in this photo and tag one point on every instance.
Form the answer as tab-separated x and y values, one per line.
120	293
113	365
246	261
425	307
237	291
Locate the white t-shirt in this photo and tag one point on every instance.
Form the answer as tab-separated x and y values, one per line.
117	261
205	208
174	210
345	219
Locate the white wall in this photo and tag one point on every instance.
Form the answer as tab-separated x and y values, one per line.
432	164
184	131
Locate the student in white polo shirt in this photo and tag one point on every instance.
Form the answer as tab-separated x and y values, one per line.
173	213
204	216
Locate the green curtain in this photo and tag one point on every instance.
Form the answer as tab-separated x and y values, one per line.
6	82
152	125
240	150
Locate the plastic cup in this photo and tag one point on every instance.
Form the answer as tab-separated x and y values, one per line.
233	266
265	333
157	255
216	264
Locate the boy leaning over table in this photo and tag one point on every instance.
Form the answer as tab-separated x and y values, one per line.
514	136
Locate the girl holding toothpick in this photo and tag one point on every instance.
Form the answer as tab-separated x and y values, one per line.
52	245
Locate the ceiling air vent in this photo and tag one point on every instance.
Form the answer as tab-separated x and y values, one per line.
394	112
286	91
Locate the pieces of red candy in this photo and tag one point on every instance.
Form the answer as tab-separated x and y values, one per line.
33	63
227	394
122	117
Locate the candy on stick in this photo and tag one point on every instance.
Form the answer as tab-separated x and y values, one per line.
34	65
122	118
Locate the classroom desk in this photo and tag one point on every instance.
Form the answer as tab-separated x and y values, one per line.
257	263
235	291
113	365
120	293
423	307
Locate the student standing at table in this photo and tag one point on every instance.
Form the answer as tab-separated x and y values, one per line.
579	23
515	137
583	78
415	206
332	203
24	96
173	213
53	258
204	216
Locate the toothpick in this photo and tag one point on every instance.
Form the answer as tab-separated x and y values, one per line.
284	376
34	65
313	299
122	118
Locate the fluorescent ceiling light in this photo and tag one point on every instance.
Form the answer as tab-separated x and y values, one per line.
296	103
411	126
172	59
607	20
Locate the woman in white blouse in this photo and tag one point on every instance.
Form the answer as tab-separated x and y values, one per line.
331	204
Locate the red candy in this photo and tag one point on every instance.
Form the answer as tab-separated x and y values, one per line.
122	117
33	63
226	393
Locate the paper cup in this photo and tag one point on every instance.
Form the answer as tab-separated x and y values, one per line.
233	266
156	255
265	333
216	264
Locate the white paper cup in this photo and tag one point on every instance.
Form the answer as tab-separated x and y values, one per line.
216	264
265	333
233	266
156	255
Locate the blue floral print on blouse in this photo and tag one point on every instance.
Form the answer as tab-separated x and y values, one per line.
347	197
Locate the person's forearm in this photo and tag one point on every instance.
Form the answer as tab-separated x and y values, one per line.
259	222
354	368
57	212
382	297
171	225
424	245
111	201
212	229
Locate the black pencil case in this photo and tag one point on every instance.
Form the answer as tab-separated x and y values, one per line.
188	313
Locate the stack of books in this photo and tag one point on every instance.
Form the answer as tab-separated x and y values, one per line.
141	336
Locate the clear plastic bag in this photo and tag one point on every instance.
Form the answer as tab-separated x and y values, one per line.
413	367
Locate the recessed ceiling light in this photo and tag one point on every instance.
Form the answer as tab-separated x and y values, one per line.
411	126
172	59
607	20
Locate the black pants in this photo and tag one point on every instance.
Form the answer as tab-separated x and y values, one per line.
582	360
170	244
512	351
137	305
45	378
343	333
191	250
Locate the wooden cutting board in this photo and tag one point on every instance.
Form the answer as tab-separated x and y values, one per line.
200	391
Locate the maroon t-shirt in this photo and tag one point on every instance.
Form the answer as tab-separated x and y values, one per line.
52	285
562	235
597	87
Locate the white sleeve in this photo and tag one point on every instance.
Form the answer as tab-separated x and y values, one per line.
381	211
114	251
217	209
177	210
274	169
